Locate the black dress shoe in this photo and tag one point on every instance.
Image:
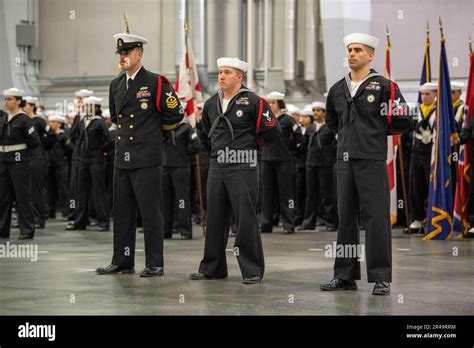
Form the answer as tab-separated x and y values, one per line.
74	228
39	226
186	237
113	269
200	276
30	235
168	236
140	230
252	280
331	228
152	272
409	230
103	229
337	284
264	231
289	231
381	288
15	225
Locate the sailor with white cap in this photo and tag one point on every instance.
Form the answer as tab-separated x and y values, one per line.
74	133
420	162
355	111
278	168
17	137
235	120
458	111
58	167
38	161
94	139
320	162
143	105
458	103
110	154
305	119
180	147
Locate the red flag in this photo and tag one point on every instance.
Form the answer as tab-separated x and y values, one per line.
187	84
392	142
461	215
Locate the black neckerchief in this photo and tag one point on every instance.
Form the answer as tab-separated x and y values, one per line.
352	109
222	115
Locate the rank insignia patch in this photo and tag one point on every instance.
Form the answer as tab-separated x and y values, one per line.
171	101
268	120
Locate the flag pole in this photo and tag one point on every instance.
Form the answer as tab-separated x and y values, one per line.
197	157
125	18
470	45
400	156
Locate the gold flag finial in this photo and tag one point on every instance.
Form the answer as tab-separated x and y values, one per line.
470	44
441	27
186	27
387	34
125	18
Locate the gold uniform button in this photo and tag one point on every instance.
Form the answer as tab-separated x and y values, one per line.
120	126
119	137
131	138
132	116
120	116
131	126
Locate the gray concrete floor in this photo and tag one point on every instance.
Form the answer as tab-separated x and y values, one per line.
428	279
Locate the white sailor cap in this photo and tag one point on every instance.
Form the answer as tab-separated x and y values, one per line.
292	109
428	86
126	42
84	93
106	113
307	111
457	86
13	92
49	113
57	118
360	38
93	100
275	96
318	104
235	63
31	100
200	105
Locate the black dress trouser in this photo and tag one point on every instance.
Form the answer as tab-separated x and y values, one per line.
138	189
15	182
232	192
364	183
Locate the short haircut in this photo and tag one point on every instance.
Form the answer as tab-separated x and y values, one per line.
370	49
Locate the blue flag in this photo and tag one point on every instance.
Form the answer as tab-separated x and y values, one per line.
440	198
426	71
